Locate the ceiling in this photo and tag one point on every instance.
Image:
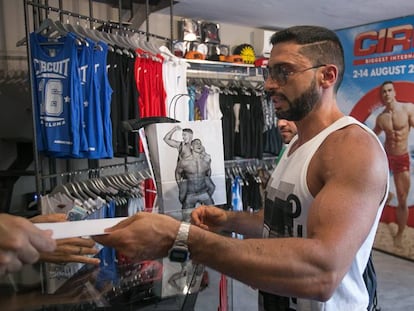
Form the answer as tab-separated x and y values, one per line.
276	14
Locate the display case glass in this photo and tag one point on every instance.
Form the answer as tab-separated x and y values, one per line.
117	284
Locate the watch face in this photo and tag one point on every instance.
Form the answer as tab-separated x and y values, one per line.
178	254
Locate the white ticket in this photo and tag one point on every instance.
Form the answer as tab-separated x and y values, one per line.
78	228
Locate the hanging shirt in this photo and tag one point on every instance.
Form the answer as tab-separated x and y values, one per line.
57	99
104	92
213	104
91	113
174	71
237	200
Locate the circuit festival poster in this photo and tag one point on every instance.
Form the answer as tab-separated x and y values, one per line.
375	53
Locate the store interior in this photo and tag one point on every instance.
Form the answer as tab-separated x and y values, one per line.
28	172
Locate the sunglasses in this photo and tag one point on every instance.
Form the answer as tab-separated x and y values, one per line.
280	72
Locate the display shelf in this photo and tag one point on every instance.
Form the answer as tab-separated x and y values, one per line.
223	70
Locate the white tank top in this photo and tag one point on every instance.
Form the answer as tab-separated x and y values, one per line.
287	204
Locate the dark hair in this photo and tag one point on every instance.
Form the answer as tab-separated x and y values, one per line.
319	44
188	130
386	82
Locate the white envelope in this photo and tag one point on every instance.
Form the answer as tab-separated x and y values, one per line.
78	228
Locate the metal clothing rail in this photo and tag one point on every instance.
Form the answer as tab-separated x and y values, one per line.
252	161
223	71
118	25
140	163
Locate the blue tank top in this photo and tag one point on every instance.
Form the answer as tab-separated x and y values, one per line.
57	99
104	94
92	114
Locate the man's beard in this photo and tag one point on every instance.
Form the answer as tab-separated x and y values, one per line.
301	106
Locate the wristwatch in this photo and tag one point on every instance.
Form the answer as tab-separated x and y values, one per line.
179	251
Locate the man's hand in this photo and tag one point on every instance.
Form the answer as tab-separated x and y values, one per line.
68	250
21	242
136	236
209	218
73	250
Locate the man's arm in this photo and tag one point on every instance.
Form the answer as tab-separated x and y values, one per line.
411	114
211	187
347	176
347	197
377	128
168	137
182	182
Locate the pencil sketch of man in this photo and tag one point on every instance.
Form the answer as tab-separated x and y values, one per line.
184	146
193	170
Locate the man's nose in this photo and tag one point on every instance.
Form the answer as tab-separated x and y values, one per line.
270	84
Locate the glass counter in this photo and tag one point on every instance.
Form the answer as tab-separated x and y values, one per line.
148	285
117	284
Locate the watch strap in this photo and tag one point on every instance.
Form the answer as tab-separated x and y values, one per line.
182	235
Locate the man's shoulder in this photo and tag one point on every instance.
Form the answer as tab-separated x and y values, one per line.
355	136
406	105
351	147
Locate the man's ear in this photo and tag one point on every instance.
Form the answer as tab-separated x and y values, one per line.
329	75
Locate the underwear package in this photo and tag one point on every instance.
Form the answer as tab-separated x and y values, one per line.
189	30
224	49
210	32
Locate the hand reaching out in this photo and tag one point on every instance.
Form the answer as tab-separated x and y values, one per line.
209	218
71	249
21	242
136	236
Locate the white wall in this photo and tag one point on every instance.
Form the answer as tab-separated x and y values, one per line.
232	35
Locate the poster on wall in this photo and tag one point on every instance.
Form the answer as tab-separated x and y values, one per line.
187	160
378	90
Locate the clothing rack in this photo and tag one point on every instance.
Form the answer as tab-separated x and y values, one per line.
94	168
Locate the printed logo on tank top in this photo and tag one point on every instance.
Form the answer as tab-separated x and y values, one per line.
282	206
58	69
83	74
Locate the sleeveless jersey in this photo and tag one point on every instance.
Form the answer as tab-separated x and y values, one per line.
93	68
286	211
90	111
174	74
56	95
213	104
104	94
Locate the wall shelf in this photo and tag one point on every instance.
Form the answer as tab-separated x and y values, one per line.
223	70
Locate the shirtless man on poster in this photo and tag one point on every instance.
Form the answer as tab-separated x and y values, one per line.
184	146
396	121
193	175
193	172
